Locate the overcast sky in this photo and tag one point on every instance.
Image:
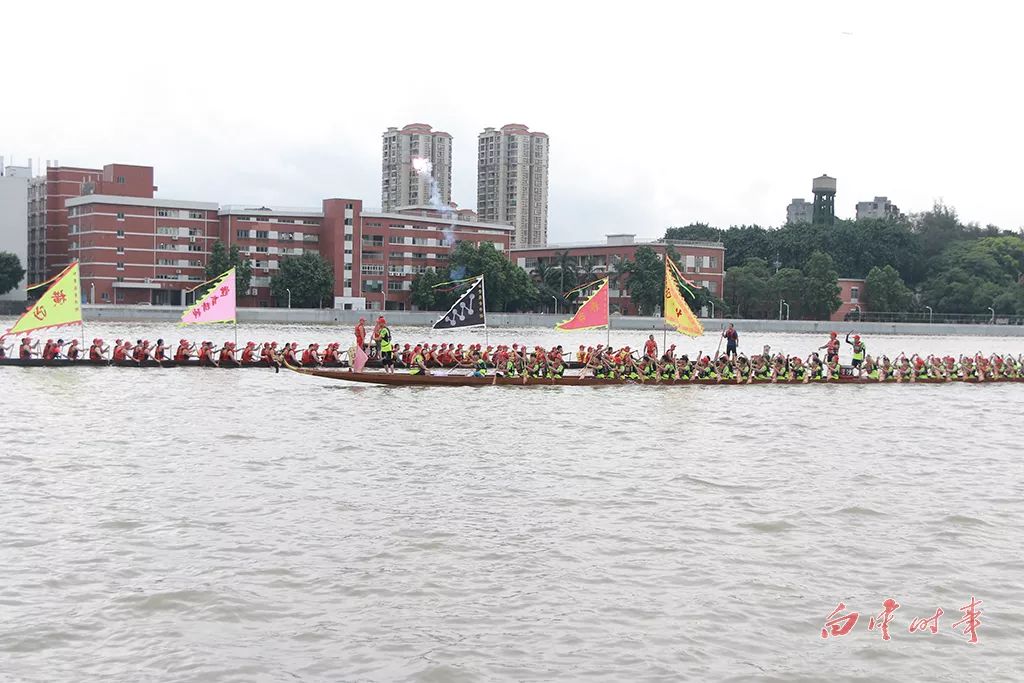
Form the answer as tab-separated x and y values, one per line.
658	115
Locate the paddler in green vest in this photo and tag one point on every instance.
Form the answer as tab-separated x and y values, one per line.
387	355
859	352
418	366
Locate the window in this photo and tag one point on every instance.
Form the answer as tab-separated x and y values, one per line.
309	222
348	221
120	180
166	213
245	218
242	234
120	215
120	250
120	278
164	262
195	247
285	220
105	296
195	214
166	230
262	234
854	295
195	232
713	262
120	265
120	234
74	228
372	269
262	250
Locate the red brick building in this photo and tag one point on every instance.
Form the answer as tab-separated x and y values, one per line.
851	292
702	262
47	218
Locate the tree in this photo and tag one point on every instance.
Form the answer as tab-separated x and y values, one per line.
646	280
885	290
507	287
748	290
309	277
694	232
821	288
222	260
790	284
970	276
11	271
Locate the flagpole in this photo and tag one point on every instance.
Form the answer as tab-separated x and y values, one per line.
608	340
483	304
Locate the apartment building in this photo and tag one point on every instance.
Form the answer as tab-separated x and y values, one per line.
512	181
403	151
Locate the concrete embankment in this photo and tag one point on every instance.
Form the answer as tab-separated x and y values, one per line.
329	316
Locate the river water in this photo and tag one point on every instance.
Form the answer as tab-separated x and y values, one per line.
205	525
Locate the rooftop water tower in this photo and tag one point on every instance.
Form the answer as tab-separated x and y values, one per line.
824	189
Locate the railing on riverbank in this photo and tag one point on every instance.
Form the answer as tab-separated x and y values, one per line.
934	318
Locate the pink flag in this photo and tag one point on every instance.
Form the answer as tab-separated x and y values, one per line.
218	306
360	360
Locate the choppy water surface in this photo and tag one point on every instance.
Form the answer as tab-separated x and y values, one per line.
247	526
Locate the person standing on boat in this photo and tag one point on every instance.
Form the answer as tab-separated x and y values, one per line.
387	350
361	334
732	340
831	347
859	350
651	347
376	336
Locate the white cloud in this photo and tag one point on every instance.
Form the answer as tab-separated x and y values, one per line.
659	114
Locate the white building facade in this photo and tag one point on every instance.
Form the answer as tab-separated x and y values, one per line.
512	182
402	184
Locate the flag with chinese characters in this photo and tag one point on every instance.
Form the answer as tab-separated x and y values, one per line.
60	305
218	306
593	313
677	311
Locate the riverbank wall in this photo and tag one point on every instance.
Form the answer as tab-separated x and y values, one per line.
330	316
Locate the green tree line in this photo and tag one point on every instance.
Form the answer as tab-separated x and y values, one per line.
926	259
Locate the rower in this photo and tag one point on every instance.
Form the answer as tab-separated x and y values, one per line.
206	352
556	364
142	353
184	351
160	351
267	353
50	350
97	352
227	354
310	356
121	351
73	350
419	366
288	353
330	354
249	353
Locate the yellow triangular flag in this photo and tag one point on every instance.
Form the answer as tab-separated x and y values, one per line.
677	312
60	305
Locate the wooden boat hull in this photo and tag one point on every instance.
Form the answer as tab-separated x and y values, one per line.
462	380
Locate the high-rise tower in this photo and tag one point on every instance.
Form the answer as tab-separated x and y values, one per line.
404	182
512	181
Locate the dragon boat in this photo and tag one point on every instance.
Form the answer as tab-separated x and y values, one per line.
445	379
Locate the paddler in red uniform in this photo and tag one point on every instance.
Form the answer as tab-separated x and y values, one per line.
27	348
249	353
651	348
310	357
227	354
831	347
183	352
120	351
361	334
49	350
97	351
205	354
289	353
267	353
160	351
72	352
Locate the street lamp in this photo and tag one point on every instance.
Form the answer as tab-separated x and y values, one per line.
787	309
782	302
712	305
929	314
289	296
555	299
993	312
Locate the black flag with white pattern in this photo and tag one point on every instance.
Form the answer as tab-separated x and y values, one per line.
468	311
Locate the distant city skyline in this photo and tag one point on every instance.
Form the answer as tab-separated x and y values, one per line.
644	139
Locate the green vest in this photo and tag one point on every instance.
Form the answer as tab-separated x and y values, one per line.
858	352
385	340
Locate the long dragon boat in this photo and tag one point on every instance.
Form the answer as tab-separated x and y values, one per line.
468	380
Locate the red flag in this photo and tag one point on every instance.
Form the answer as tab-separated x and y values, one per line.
593	312
359	362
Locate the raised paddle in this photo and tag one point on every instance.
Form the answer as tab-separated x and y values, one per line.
720	337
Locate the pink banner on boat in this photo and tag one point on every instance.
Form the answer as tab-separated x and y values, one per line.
218	306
